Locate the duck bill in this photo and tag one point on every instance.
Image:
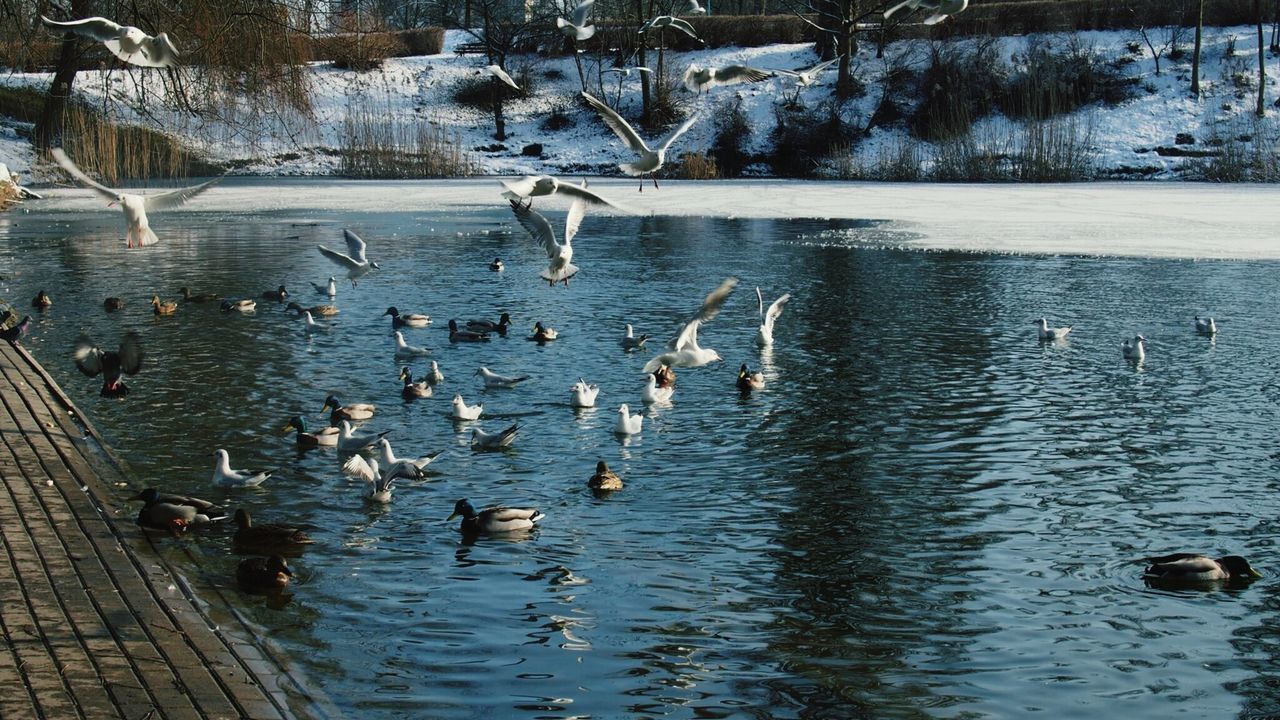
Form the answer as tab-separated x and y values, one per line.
288	427
1254	573
451	517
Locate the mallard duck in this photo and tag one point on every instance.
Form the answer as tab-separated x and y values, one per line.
163	307
1134	349
413	390
485	326
496	265
543	334
1206	326
627	423
1190	568
631	342
242	306
41	301
481	440
494	520
399	320
456	335
654	394
224	475
279	294
272	537
1047	333
665	375
188	296
315	310
326	437
462	411
584	395
263	574
354	411
604	479
161	510
112	304
111	364
494	380
434	376
748	380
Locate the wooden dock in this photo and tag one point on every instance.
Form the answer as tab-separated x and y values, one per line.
95	624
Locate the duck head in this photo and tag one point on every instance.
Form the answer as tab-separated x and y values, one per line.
331	402
392	311
464	508
1238	567
406	375
148	496
296	423
602	467
243	521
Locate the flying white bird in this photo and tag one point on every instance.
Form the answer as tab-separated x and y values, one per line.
626	71
1134	349
462	411
693	8
683	349
808	76
628	424
481	440
764	334
1047	333
653	394
576	26
499	73
494	380
224	475
649	160
355	261
698	78
531	186
135	207
584	395
559	255
126	42
667	21
941	9
404	467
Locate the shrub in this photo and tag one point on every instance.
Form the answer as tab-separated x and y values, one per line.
559	119
960	86
804	138
1246	153
697	166
367	49
1050	83
732	133
477	90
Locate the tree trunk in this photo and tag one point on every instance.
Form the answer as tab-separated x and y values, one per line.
1195	56
49	126
1262	63
645	99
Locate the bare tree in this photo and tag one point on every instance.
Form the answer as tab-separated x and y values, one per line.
1262	62
1195	55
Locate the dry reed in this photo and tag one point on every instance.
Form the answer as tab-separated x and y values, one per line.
377	145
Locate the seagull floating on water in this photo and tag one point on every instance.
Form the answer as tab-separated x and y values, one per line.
1047	333
494	380
404	467
405	350
111	364
584	395
1206	326
351	440
494	520
355	261
330	288
559	266
1134	349
649	160
627	423
683	349
462	411
631	342
135	207
126	42
764	334
481	440
434	376
224	475
576	26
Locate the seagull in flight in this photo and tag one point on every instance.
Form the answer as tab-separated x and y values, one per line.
126	42
531	186
942	9
698	78
683	349
357	264
559	268
667	21
649	160
501	74
576	27
135	207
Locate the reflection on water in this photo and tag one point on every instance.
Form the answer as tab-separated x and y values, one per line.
925	512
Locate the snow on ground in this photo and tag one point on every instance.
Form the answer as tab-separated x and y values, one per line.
1175	220
421	89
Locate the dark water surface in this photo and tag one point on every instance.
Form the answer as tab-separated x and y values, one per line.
926	513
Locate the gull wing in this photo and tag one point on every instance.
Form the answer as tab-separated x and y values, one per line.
503	76
580	192
177	197
666	143
65	163
577	211
361	469
520	188
96	28
816	70
355	247
131	353
537	226
710	308
775	310
619	126
684	27
338	257
580	13
731	74
88	357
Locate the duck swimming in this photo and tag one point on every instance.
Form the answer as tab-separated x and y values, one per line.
543	334
42	301
325	437
354	411
604	478
163	307
494	520
112	304
456	335
263	575
279	294
241	306
271	538
399	320
500	327
1192	569
748	380
188	296
413	390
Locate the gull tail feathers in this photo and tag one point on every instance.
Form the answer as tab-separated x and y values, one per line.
560	275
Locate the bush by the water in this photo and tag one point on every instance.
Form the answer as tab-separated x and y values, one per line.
805	138
1048	83
962	85
732	134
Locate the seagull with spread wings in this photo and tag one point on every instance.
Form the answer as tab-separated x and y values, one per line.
126	42
576	26
698	78
135	207
942	9
560	266
649	160
683	349
531	186
355	261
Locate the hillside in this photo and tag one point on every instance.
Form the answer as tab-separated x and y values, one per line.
1134	123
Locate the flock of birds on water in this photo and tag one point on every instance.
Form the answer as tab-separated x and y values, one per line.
269	572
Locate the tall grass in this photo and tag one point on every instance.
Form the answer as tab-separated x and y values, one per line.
1248	151
114	152
375	144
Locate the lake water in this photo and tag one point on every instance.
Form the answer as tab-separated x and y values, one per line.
926	512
